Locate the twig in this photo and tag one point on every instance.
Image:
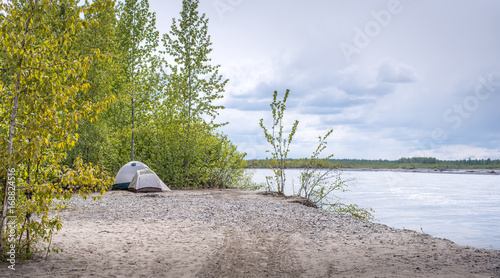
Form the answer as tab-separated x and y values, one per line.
48	248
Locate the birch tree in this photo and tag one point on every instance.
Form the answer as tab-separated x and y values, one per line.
41	76
93	143
193	82
138	41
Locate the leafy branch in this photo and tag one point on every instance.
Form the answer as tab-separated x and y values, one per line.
316	183
280	144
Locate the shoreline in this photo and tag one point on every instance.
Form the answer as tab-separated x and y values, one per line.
429	170
455	171
234	233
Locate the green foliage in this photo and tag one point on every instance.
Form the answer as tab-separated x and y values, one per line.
353	210
129	76
245	182
44	96
194	84
214	162
316	183
52	188
138	41
319	184
93	144
159	109
279	143
83	90
188	150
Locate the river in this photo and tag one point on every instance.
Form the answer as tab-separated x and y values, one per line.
463	208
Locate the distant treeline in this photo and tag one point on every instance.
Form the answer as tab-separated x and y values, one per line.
402	163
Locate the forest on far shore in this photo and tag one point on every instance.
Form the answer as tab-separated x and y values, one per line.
402	163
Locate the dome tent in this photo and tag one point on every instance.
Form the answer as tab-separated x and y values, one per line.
126	174
146	180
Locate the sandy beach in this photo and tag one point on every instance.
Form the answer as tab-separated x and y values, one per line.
233	233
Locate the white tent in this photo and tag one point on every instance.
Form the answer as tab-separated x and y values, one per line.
146	180
126	173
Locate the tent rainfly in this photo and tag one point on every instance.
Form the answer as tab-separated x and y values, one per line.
146	180
126	174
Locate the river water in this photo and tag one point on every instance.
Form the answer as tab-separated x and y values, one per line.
463	208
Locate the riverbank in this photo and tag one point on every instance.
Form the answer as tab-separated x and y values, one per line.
428	170
232	233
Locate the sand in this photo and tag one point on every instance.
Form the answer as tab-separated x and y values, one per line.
232	233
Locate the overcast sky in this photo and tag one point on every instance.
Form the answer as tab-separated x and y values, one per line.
392	78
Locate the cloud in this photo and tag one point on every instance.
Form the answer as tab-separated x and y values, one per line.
386	103
330	101
391	72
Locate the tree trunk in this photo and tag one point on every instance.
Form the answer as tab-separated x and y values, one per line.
133	88
12	127
9	166
133	121
187	155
